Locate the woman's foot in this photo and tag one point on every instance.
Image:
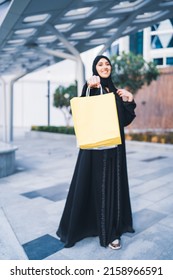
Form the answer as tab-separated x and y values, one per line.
115	245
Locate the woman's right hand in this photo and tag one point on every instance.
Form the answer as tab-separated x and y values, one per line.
94	82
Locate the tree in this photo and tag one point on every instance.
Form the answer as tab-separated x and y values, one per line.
62	98
132	71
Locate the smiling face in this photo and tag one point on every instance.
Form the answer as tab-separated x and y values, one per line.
103	68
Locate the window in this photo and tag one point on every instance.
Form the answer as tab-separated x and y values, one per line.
136	42
155	42
158	61
115	49
170	45
169	60
162	35
154	27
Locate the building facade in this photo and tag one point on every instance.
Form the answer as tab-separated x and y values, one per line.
154	43
154	102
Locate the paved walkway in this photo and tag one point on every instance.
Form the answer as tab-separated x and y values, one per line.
32	201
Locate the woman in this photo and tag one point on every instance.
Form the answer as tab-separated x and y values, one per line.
98	202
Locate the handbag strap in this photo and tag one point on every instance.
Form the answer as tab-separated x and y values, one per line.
88	90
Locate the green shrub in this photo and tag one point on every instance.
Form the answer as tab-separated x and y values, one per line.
166	137
54	129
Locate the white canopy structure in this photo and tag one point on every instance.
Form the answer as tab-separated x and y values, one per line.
37	33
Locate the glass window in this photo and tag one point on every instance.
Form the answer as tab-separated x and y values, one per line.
115	49
171	20
136	42
154	27
158	61
155	42
169	60
140	42
165	40
170	45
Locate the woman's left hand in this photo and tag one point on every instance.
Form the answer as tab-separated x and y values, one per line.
125	95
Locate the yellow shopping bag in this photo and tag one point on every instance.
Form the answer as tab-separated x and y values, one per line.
96	121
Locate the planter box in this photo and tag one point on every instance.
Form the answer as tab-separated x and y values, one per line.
7	159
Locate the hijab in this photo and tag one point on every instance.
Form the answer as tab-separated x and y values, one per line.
105	82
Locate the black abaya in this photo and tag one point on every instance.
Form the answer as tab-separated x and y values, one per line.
98	202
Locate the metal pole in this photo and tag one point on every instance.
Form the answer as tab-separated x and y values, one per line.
4	111
48	102
11	110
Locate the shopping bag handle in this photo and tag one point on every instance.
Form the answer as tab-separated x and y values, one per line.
88	90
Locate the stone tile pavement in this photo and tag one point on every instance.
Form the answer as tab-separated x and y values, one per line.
32	201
